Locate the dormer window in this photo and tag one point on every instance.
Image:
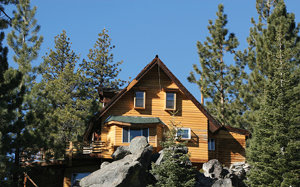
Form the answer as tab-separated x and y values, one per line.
139	99
170	101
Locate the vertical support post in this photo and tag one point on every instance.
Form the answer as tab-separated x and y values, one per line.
70	154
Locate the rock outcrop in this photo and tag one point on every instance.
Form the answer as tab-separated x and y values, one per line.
131	170
131	164
216	175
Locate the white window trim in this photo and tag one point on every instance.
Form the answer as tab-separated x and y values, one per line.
144	103
166	101
129	134
189	133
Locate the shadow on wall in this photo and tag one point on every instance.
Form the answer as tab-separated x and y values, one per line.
228	148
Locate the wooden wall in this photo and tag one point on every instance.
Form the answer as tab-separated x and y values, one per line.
229	147
187	114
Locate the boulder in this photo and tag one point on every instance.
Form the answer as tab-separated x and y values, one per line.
212	169
121	152
138	144
128	171
183	150
104	164
222	183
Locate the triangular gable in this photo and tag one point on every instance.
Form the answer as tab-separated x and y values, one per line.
213	124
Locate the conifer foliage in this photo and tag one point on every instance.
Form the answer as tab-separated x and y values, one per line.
99	69
174	169
25	42
275	146
217	80
61	91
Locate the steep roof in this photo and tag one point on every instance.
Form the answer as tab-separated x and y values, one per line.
213	126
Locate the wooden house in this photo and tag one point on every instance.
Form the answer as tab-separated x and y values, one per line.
147	106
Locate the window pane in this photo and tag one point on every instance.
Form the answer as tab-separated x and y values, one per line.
170	96
125	134
135	133
170	100
170	104
139	99
139	95
183	133
76	178
211	144
145	133
139	102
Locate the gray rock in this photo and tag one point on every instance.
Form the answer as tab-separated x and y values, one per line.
222	183
104	164
128	171
160	158
183	150
138	144
212	169
121	152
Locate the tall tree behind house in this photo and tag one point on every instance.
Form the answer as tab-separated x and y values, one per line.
62	92
275	146
99	69
219	81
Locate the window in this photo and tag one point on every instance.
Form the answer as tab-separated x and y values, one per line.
184	133
139	99
170	101
211	144
130	133
76	178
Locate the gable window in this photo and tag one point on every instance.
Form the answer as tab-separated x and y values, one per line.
130	133
139	99
184	133
170	101
211	144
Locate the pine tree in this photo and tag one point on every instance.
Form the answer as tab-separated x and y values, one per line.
274	147
99	70
67	107
174	169
25	43
219	81
10	99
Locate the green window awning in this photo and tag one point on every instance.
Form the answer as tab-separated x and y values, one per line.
134	119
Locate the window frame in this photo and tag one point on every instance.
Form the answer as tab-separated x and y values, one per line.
144	100
211	144
189	133
128	135
166	93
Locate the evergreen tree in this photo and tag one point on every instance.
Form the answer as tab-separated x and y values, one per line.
61	91
100	70
219	81
174	169
274	148
10	100
25	42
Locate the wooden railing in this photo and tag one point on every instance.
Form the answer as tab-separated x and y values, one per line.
85	148
72	149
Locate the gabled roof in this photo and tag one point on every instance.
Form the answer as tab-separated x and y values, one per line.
213	126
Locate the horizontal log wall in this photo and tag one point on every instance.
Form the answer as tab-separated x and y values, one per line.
186	115
230	147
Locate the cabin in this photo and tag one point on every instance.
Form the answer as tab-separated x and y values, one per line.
147	107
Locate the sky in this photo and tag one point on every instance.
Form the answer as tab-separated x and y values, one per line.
141	29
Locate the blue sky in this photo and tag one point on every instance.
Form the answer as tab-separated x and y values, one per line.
140	29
